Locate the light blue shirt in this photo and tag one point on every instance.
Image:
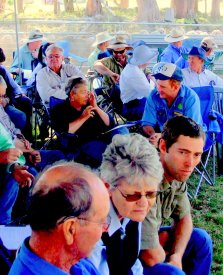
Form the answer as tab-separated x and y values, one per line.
98	255
171	53
205	78
25	57
157	112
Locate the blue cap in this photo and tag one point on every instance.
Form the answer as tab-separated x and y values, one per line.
165	71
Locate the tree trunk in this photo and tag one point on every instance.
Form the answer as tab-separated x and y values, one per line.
148	11
56	7
93	7
2	5
180	7
20	6
68	5
191	8
215	9
122	4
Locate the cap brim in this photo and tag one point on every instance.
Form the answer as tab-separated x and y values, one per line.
161	76
34	40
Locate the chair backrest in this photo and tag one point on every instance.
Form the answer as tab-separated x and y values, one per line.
206	96
218	99
54	101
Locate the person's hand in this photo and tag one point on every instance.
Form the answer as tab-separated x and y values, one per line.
115	77
34	157
22	144
10	155
35	53
5	102
153	139
175	259
88	112
22	176
92	99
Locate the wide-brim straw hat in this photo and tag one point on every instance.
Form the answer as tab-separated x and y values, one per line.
35	35
102	37
142	54
119	42
175	35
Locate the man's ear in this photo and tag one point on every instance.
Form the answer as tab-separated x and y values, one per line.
69	230
107	185
162	146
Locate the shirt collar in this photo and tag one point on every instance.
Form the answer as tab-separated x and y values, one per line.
115	221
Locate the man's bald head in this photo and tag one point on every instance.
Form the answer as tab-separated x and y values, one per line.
65	189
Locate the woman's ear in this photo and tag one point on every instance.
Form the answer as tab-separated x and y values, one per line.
69	230
107	185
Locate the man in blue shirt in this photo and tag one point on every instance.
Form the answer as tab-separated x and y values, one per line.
67	213
170	98
174	49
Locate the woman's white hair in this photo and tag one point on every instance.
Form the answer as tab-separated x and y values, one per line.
130	157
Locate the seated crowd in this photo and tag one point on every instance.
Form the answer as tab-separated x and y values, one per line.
101	208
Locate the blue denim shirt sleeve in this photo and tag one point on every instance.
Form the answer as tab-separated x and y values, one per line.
149	116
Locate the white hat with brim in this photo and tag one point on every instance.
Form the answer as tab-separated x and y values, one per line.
142	54
119	43
102	37
35	35
175	35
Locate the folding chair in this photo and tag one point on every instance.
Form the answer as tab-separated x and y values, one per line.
211	119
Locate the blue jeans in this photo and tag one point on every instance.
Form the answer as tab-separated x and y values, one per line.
18	117
197	257
8	193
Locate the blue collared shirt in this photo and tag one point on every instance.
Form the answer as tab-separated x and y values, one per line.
157	112
28	263
98	255
25	57
171	53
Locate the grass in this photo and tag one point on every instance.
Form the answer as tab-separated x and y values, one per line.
207	212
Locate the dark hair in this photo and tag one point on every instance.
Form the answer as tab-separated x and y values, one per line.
205	48
2	55
181	125
42	52
74	81
64	200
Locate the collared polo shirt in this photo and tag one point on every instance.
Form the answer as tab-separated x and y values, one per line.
171	53
173	203
28	262
205	78
157	112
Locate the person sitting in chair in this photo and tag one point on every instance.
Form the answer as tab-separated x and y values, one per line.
52	79
196	75
79	114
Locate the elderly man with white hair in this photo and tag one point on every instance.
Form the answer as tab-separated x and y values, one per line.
134	85
132	171
51	80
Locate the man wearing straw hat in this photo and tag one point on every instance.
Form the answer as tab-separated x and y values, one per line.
174	49
101	43
28	52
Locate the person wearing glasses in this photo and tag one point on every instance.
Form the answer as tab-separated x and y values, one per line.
132	172
51	80
68	213
181	146
111	68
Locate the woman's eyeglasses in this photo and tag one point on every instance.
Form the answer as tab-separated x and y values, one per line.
3	96
138	196
119	52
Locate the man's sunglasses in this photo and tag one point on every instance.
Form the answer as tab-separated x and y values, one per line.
138	196
118	52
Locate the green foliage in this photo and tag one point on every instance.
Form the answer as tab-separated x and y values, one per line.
207	211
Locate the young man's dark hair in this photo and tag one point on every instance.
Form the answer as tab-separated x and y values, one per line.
181	125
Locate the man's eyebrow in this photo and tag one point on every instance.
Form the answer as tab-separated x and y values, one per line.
188	151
